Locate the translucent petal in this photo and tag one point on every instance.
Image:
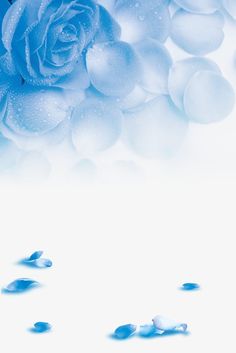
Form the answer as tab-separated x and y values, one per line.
125	331
156	129
43	263
109	29
32	111
190	286
147	330
200	6
230	6
197	34
180	74
142	19
96	126
156	62
164	324
36	255
133	99
40	327
113	68
208	97
20	285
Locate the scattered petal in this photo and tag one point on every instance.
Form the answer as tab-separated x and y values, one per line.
96	126
142	19
125	331
190	286
199	6
197	34
36	255
180	74
156	62
208	97
164	324
41	327
156	129
20	285
147	330
113	68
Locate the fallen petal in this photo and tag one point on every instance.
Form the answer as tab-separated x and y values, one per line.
125	331
190	286
40	327
21	285
147	330
36	255
164	324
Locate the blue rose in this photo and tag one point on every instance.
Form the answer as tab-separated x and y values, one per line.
46	39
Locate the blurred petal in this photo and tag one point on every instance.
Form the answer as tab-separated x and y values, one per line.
156	129
36	255
180	74
197	34
125	331
21	285
208	97
96	126
41	327
190	286
230	7
164	324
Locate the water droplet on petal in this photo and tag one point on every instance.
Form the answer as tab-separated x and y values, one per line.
208	97
124	331
20	285
180	74
197	34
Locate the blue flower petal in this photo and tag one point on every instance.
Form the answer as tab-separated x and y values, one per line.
43	263
197	34
41	327
164	324
36	255
113	68
109	29
147	330
21	285
33	111
142	19
180	74
125	331
3	9
96	126
200	6
230	7
156	129
208	97
156	62
190	286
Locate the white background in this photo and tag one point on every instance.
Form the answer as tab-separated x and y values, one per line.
119	256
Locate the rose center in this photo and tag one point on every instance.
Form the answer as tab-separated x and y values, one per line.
68	34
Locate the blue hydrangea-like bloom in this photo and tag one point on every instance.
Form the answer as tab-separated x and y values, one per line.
45	38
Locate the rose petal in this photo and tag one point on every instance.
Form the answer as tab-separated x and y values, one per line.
197	34
180	74
125	331
199	6
20	285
